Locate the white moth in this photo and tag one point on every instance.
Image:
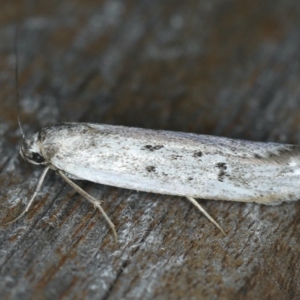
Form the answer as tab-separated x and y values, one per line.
165	162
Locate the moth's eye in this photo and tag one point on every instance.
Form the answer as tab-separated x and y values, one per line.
37	158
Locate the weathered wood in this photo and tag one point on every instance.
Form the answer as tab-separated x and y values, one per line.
227	68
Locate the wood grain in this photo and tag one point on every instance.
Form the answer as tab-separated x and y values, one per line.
228	68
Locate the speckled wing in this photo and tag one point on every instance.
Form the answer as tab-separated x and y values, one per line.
174	163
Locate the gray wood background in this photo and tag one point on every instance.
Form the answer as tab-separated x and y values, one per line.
219	67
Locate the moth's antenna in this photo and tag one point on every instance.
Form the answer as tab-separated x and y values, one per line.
17	81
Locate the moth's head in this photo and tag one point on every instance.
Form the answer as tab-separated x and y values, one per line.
30	150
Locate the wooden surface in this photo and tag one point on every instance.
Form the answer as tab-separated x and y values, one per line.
228	68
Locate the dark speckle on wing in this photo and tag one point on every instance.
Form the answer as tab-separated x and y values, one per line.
197	154
175	156
150	169
152	148
222	171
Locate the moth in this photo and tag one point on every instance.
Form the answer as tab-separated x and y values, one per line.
166	162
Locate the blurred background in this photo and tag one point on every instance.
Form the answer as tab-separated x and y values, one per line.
219	67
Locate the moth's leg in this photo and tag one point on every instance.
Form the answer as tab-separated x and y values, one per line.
92	200
37	189
205	213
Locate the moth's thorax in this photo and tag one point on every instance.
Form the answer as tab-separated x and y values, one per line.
30	150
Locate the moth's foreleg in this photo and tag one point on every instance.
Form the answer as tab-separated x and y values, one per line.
37	189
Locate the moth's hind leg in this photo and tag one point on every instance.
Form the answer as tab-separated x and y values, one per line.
205	213
91	199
